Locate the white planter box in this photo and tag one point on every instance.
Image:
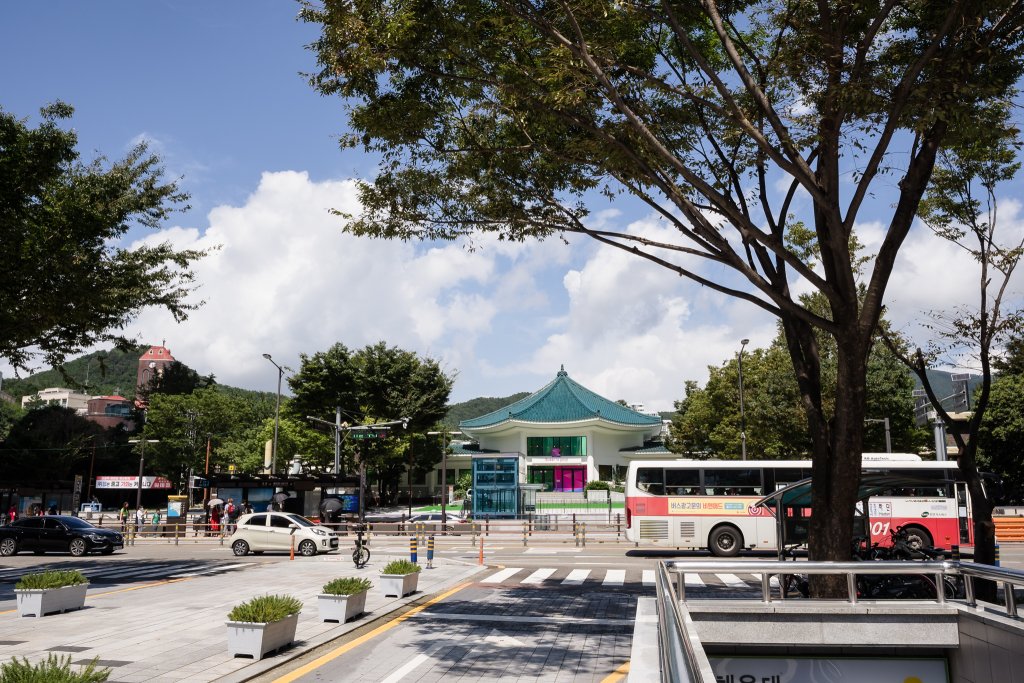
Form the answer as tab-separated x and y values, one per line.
40	601
256	640
399	585
341	608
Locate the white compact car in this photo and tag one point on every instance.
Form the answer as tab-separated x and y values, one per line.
276	531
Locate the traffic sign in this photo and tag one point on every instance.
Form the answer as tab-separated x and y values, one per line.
367	434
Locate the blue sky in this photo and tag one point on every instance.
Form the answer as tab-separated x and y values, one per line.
215	89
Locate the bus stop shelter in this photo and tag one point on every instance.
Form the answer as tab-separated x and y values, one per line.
791	505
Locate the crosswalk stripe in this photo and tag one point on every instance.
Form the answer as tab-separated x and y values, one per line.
539	575
648	577
500	576
732	581
693	581
576	577
209	570
614	577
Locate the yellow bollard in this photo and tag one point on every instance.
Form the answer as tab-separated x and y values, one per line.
481	561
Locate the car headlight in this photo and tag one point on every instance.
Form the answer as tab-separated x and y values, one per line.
320	532
96	537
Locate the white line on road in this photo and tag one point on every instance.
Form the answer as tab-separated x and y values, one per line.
407	669
614	577
648	577
500	576
732	581
539	575
576	577
552	551
693	581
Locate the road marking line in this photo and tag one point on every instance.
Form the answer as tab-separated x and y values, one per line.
408	668
334	654
648	577
576	577
614	577
617	675
732	581
539	575
500	576
694	581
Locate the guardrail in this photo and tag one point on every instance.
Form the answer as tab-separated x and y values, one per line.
1010	578
680	661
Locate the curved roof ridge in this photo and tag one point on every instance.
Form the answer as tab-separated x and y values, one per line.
562	400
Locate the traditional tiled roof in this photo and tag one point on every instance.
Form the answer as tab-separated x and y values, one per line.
465	448
647	449
562	400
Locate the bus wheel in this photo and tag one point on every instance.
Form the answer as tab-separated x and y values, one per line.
725	541
917	538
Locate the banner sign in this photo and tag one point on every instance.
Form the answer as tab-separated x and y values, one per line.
822	669
132	483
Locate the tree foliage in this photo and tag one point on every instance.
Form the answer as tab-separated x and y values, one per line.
378	383
65	283
708	424
511	118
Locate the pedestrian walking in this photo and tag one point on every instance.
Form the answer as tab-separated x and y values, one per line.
122	516
230	515
156	521
140	518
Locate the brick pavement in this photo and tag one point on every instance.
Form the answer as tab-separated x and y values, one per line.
164	631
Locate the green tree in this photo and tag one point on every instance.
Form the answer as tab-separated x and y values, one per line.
182	423
64	283
51	443
961	207
175	378
708	422
513	118
9	414
378	383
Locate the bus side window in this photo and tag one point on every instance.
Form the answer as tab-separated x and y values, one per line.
651	480
682	482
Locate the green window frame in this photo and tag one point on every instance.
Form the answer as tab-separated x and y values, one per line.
542	446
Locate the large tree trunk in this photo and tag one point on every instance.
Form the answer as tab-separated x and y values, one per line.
981	517
836	469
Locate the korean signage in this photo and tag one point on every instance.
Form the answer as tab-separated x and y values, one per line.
132	483
705	505
827	669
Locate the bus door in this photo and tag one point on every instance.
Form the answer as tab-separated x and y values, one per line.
963	512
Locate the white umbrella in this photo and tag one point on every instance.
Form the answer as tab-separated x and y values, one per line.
280	497
215	501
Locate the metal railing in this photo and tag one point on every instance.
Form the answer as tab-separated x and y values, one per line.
935	570
680	662
675	647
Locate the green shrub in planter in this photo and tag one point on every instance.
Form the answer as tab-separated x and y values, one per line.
53	670
265	609
346	586
51	579
400	567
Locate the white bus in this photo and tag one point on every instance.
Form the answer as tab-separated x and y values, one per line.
709	504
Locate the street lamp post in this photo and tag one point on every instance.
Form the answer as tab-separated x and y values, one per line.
743	418
444	473
277	414
142	460
888	439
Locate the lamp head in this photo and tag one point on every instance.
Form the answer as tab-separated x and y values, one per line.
267	356
744	342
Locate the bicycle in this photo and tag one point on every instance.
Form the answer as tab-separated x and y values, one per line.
361	554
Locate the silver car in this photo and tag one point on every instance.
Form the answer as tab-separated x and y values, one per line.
280	532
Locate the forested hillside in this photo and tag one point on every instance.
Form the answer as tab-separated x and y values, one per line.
477	407
101	373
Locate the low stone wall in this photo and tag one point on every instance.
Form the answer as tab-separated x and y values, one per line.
991	648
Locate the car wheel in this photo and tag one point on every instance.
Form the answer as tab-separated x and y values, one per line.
8	546
240	548
307	548
77	547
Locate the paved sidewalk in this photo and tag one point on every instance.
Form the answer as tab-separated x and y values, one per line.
174	630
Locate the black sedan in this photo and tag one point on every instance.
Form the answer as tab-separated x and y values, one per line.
58	533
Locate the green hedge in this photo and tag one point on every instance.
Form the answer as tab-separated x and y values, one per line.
346	586
265	609
400	567
52	670
51	579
